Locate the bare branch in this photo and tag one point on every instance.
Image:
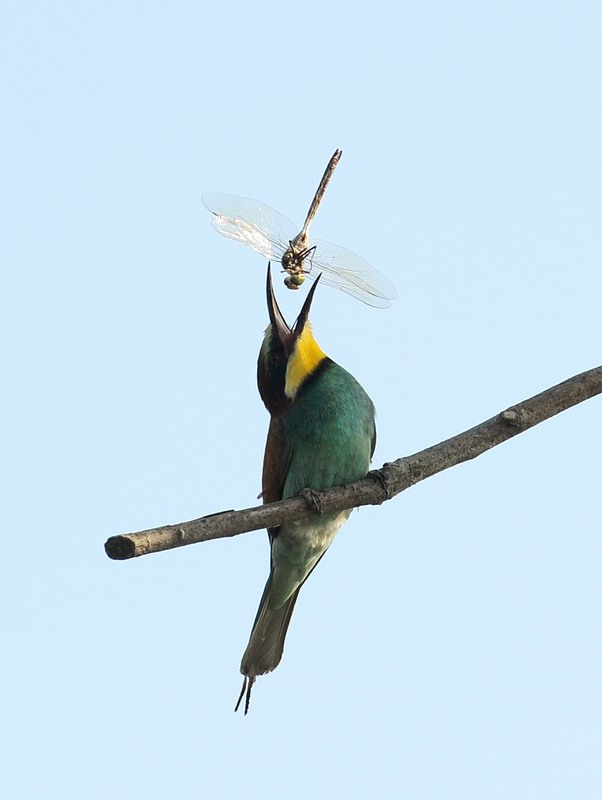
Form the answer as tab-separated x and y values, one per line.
379	485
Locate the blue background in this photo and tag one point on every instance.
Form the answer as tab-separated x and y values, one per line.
449	644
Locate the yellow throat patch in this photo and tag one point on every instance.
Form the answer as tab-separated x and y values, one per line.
305	359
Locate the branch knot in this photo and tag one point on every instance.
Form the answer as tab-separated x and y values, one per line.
515	417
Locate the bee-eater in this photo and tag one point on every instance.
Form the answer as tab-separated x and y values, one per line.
321	434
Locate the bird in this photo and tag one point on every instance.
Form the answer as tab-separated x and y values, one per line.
322	433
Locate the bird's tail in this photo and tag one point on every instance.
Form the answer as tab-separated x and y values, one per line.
266	643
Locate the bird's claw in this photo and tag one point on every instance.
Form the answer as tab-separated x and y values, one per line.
313	500
381	476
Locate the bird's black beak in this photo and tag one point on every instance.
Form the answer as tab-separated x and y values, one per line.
304	313
285	335
279	324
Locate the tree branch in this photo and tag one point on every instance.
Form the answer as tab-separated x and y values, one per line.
378	485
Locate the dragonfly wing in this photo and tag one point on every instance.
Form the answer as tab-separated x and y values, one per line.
351	274
250	222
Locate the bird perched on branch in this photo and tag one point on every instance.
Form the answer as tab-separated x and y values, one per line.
321	434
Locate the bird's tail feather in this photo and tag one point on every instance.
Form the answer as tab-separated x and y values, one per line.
266	642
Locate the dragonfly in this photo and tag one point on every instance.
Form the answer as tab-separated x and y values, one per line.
273	235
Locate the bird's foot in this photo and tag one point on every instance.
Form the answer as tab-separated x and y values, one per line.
381	476
313	499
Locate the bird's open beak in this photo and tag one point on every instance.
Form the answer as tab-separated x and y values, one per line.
304	313
279	324
287	336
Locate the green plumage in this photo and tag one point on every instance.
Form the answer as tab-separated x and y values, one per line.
326	438
328	432
321	437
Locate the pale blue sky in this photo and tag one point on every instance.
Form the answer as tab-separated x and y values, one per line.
448	647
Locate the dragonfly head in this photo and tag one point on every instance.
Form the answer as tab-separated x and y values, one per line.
294	281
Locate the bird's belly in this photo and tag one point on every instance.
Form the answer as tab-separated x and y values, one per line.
296	550
314	534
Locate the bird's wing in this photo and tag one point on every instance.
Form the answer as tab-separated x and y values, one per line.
276	463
